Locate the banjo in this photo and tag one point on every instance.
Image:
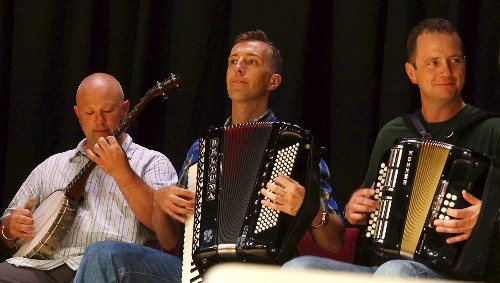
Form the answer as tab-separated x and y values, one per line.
55	215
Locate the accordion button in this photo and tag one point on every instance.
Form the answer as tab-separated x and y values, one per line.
452	204
454	197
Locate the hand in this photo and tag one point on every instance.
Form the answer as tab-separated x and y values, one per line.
463	222
360	203
110	157
285	194
21	223
174	201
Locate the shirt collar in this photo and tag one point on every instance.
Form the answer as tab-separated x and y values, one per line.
266	117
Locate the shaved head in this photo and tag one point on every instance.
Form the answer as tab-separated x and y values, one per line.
98	83
100	106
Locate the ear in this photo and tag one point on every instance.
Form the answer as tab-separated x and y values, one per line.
274	82
126	106
75	108
410	71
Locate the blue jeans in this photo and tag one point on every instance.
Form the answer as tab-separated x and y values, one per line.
400	268
125	262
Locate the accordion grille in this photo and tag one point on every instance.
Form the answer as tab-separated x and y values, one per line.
431	161
244	147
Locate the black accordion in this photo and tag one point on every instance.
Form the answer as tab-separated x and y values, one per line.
235	162
418	181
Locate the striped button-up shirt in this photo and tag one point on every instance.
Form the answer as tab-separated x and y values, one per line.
103	214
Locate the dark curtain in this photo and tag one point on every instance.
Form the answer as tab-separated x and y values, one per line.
343	70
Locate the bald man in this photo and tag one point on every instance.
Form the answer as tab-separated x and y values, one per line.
118	197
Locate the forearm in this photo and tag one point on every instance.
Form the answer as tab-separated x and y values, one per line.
8	240
167	229
139	196
331	236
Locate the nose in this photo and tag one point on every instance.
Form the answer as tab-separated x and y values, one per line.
100	118
240	66
446	69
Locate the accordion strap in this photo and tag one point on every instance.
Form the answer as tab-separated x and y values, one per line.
415	121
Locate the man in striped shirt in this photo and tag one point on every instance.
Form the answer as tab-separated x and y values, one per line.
117	203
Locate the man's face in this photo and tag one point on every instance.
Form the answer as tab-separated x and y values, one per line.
440	67
100	110
249	74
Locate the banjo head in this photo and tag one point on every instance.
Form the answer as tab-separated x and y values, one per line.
52	219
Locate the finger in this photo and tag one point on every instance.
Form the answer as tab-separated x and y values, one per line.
274	188
363	204
275	206
470	212
282	181
470	198
103	142
270	195
180	202
111	140
90	154
364	192
457	238
362	207
178	217
287	178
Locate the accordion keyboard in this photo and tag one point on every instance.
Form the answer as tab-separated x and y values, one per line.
190	273
284	163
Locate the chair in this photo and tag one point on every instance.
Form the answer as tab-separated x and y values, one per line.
307	246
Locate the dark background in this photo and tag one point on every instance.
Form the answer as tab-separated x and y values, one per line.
343	70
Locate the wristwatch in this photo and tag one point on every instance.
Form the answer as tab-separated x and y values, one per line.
324	220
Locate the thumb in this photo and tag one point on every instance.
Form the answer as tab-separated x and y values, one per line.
30	204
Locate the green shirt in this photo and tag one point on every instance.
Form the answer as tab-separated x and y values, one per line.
484	138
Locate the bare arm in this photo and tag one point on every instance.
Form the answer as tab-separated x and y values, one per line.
170	204
331	236
110	157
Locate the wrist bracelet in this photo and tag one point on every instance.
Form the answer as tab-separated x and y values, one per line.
324	220
3	235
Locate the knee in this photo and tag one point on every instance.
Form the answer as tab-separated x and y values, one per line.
394	267
405	268
101	251
301	262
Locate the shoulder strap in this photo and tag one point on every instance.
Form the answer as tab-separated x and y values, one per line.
415	121
473	120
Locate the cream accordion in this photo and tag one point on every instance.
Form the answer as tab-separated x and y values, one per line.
418	180
230	223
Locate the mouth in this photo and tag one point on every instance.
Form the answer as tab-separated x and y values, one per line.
446	84
238	81
101	132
